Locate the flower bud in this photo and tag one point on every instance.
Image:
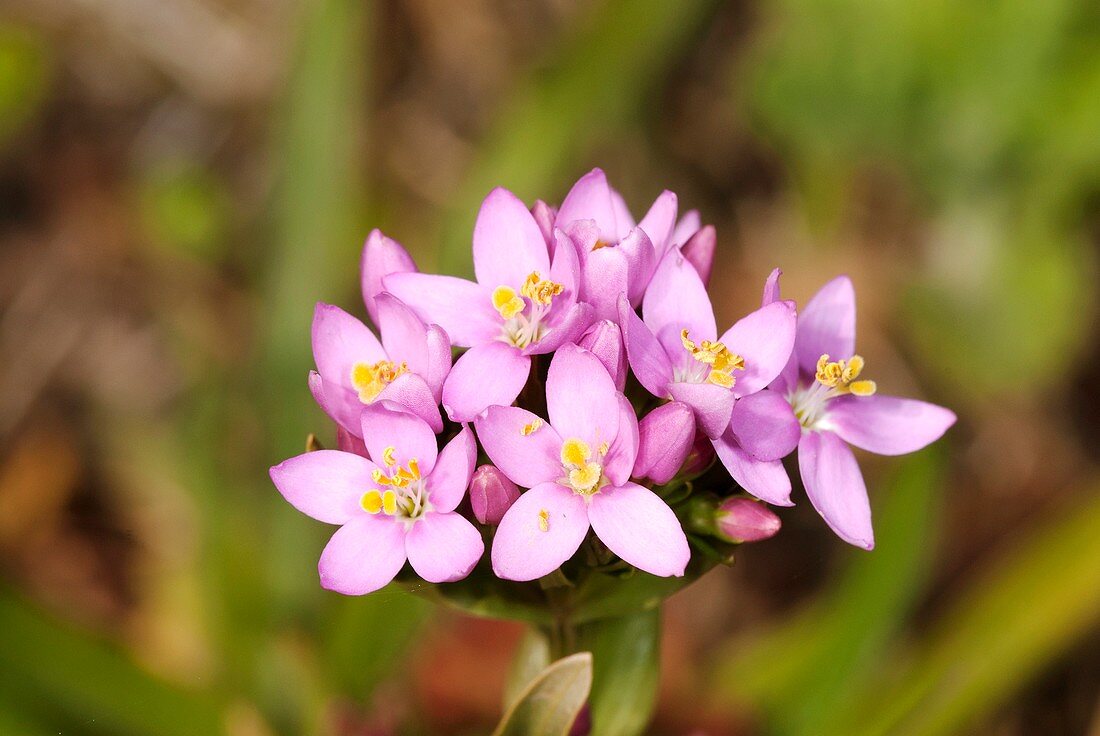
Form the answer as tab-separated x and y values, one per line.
381	257
744	520
665	437
491	494
605	341
699	457
699	251
544	216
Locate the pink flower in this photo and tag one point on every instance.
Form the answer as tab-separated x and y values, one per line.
396	504
521	305
837	406
675	352
354	369
381	257
616	257
577	467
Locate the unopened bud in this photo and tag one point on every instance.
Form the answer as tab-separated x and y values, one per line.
699	457
699	251
381	257
491	494
664	439
605	341
744	520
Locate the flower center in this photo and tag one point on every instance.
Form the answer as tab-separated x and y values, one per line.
523	327
715	359
369	380
401	493
582	473
832	379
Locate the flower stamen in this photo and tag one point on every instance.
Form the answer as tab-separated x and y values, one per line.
721	360
369	379
841	375
582	474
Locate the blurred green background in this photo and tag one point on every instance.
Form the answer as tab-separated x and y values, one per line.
180	180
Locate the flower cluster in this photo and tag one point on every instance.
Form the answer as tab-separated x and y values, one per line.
596	390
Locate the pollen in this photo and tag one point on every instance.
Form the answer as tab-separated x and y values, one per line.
585	478
507	302
388	456
575	452
544	520
539	290
389	503
371	502
841	375
531	427
369	379
604	448
721	360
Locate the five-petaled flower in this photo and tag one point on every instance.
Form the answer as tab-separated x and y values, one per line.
396	504
576	466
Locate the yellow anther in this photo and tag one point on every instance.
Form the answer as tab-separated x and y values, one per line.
840	376
369	379
379	477
507	302
540	290
604	448
387	456
544	520
414	468
600	244
371	502
389	503
585	477
531	427
722	362
575	452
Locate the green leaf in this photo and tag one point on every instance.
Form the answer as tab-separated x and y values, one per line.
626	659
532	657
550	704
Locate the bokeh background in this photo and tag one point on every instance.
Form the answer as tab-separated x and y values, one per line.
180	180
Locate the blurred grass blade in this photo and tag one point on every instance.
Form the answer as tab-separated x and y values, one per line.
79	679
532	657
626	670
825	651
590	91
552	701
1032	605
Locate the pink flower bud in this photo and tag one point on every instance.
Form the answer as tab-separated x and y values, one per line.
545	215
491	494
381	257
699	251
745	520
665	437
605	341
700	456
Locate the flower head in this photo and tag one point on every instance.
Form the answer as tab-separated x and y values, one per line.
355	369
396	504
521	304
576	466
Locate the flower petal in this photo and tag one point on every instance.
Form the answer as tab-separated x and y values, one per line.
485	375
666	436
450	477
624	221
569	329
605	340
363	555
508	244
425	348
544	216
386	424
765	339
341	404
581	400
765	479
699	251
541	531
443	547
565	270
676	300
381	257
835	487
527	456
827	325
411	392
463	308
339	342
688	225
605	275
624	450
590	199
712	405
640	528
888	425
771	288
647	356
659	222
325	485
764	424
